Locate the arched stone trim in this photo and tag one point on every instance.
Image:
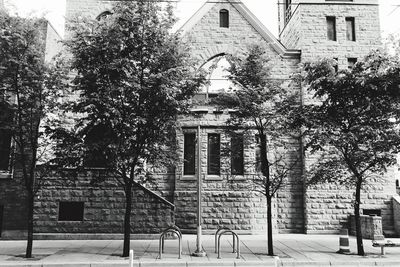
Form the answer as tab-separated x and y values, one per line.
103	14
216	50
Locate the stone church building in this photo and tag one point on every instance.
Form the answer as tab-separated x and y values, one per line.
344	30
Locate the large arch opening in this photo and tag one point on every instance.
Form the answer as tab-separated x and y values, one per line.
218	72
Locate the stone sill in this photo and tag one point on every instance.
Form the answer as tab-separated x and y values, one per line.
5	175
238	178
213	178
188	178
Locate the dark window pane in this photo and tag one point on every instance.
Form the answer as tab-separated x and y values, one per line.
213	154
350	29
372	212
224	18
237	167
5	149
189	152
331	27
351	62
70	211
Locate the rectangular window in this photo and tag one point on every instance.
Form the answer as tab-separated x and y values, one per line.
372	212
331	28
351	61
350	29
70	211
237	166
189	154
214	150
5	149
224	18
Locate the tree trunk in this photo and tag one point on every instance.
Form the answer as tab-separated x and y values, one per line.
360	246
30	200
269	227
127	220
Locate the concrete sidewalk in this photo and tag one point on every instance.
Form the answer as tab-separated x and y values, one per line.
292	250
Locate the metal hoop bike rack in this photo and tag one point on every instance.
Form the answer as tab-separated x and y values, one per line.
235	240
174	230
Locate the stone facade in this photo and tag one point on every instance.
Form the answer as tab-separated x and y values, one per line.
104	205
226	199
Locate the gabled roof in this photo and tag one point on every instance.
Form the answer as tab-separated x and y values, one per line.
253	21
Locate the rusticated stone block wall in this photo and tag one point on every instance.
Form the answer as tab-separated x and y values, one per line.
104	205
328	206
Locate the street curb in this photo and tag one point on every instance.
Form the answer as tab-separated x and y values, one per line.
172	263
214	263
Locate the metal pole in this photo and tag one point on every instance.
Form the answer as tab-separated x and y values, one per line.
199	247
131	255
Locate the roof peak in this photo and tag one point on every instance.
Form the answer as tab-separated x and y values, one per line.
251	19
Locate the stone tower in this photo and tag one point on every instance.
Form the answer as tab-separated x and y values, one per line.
344	30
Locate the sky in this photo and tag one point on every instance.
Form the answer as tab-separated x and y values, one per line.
265	10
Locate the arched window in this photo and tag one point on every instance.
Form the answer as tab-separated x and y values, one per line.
224	18
103	15
218	76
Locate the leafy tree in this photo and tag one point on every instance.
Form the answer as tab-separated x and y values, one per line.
353	123
28	91
392	44
263	107
133	77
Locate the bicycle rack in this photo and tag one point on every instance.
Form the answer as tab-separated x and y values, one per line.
216	238
235	237
172	229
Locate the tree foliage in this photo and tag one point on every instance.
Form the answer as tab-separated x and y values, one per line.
29	88
133	77
263	107
353	124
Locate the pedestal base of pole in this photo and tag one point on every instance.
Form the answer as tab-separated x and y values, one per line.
199	247
199	254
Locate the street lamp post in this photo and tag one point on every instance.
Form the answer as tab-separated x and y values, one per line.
199	247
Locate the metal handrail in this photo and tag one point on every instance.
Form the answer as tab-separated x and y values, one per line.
172	229
238	244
